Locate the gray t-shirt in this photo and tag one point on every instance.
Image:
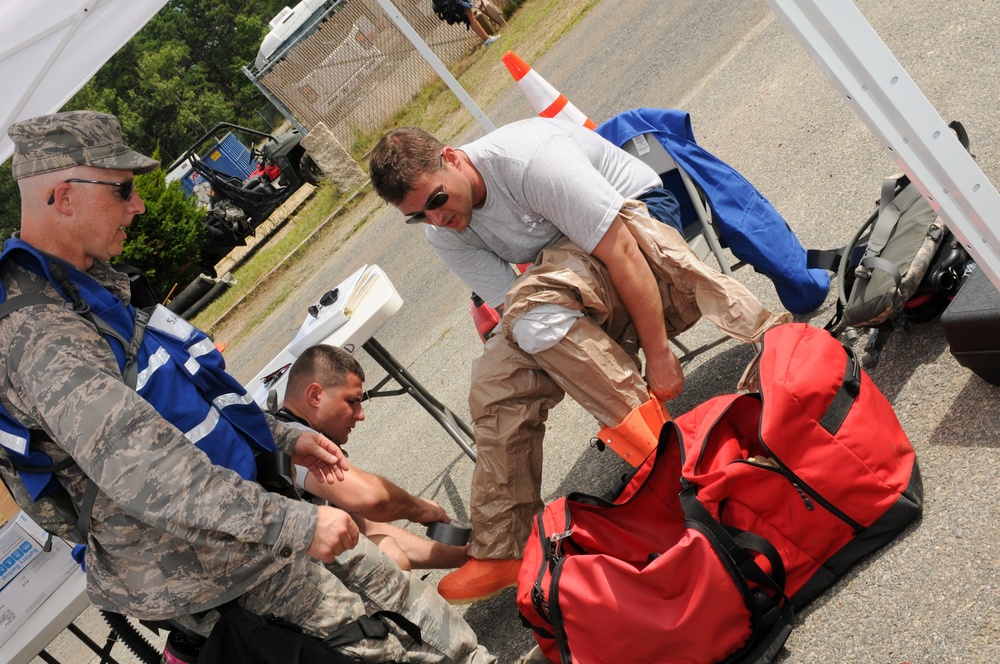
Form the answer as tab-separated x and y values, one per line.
544	179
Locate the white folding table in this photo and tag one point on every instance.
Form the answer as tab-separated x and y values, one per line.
365	302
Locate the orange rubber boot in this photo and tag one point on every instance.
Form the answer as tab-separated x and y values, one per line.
478	580
638	434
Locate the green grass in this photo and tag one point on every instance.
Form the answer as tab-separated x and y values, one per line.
324	202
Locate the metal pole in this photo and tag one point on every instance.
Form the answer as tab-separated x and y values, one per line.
859	64
284	110
435	63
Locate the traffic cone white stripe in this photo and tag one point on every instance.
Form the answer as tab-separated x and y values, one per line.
545	99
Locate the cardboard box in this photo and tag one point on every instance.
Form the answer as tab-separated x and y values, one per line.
34	574
17	549
8	508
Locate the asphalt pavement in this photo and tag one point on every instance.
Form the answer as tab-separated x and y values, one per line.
759	103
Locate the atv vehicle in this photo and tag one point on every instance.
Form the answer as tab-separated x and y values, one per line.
237	207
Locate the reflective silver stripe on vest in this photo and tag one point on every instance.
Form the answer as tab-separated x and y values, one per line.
156	360
14	443
204	428
192	365
232	399
203	347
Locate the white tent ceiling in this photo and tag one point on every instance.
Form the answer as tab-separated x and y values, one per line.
50	48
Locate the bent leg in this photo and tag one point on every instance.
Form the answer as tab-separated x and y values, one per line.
596	372
690	286
363	580
509	401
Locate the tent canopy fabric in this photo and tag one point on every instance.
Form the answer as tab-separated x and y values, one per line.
50	48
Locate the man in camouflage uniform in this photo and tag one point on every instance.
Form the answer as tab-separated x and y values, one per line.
172	533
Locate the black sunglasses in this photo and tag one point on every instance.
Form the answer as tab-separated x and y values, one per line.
125	189
328	298
436	201
433	203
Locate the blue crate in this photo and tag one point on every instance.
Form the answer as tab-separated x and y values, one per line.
228	156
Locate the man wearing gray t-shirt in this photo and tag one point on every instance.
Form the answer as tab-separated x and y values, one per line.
605	279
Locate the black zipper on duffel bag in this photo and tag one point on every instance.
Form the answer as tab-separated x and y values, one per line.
781	470
537	591
831	421
562	641
806	491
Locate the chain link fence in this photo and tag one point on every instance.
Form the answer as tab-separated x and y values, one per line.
352	69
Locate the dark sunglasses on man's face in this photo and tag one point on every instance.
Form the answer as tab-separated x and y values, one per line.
125	189
435	202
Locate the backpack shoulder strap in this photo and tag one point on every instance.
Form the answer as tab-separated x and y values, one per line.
130	376
893	203
7	307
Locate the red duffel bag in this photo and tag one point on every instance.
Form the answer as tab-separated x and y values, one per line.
815	462
631	581
748	501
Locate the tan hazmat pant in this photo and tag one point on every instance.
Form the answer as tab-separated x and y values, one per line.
596	363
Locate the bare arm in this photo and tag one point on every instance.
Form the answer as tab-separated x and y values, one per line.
321	456
637	288
375	498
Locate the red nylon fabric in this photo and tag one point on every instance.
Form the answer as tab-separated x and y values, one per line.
618	605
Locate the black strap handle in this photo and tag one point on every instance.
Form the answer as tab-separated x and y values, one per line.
695	511
845	397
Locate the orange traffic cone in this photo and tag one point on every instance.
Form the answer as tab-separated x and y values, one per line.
544	98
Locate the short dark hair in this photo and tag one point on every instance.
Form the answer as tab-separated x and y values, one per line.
400	157
327	365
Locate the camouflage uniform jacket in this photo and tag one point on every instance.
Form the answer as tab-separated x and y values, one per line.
171	533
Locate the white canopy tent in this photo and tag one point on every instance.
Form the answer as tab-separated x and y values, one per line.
50	48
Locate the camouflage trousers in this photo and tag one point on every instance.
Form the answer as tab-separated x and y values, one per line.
362	581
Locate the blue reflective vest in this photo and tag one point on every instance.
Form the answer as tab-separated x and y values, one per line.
178	371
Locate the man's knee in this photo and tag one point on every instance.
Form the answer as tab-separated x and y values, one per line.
503	376
543	327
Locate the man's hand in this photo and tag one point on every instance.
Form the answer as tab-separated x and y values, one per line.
428	511
664	375
321	456
336	532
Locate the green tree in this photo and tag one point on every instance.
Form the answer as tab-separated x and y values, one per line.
167	240
180	74
10	202
175	79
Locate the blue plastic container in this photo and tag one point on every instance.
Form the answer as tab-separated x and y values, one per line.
228	156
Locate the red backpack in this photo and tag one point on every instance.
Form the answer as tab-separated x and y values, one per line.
752	504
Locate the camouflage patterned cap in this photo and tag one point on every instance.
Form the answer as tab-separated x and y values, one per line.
75	138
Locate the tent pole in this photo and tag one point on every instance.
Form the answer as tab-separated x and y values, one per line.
852	56
435	63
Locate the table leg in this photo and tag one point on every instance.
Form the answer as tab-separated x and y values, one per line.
105	652
456	428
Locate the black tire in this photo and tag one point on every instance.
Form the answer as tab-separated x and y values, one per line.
308	170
